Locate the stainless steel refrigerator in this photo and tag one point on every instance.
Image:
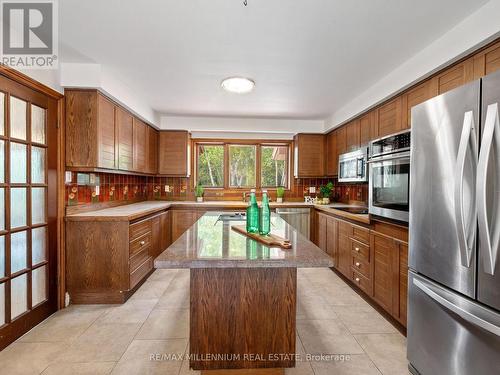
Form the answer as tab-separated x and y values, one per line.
454	279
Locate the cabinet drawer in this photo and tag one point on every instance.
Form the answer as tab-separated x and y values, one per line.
140	272
360	266
361	234
139	229
361	281
137	259
360	250
143	242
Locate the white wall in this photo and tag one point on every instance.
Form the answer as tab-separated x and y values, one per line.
228	127
86	75
478	29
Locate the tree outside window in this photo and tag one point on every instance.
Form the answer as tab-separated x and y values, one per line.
210	171
242	166
274	166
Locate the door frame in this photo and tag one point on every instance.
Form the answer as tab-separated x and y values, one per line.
34	85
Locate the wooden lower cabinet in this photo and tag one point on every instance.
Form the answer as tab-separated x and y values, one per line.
373	258
107	260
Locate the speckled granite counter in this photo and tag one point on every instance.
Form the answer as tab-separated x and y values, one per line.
134	211
211	243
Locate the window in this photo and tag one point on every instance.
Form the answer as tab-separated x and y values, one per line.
242	166
210	171
274	166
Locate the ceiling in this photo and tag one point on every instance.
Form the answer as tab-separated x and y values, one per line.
307	57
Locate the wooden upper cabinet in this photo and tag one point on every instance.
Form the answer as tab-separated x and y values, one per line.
365	127
90	130
455	76
309	155
173	150
341	140
125	139
389	118
332	154
152	161
140	146
419	94
486	61
352	135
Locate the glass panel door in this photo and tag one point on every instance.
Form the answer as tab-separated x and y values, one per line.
26	274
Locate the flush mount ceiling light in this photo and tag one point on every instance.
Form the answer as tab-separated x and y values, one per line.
238	85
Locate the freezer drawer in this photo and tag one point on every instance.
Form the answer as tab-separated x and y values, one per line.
449	334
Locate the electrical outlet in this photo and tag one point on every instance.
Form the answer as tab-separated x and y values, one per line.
68	177
97	190
167	189
312	189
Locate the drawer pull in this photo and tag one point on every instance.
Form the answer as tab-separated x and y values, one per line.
357	279
358	264
357	249
143	243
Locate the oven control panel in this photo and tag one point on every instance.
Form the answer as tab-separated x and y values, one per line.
390	144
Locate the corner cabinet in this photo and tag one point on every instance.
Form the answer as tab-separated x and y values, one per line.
101	135
90	130
106	261
174	149
309	155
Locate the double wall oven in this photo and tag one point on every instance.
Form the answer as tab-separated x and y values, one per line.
389	182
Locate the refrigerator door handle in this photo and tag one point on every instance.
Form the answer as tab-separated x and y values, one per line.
488	241
466	230
441	297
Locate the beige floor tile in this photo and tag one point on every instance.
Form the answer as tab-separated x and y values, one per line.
65	325
387	351
26	358
185	370
133	311
99	368
314	307
162	275
356	364
175	297
101	343
363	319
327	336
165	324
342	296
150	290
138	357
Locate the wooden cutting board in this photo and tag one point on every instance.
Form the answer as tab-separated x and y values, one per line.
270	240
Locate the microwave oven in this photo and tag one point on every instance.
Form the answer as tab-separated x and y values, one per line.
352	166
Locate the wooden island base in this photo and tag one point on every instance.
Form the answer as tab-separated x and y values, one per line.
245	314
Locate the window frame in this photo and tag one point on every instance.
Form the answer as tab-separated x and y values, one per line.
196	142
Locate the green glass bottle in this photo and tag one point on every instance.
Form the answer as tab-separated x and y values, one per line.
265	215
253	214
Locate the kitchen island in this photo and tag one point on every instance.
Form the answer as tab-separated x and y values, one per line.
242	293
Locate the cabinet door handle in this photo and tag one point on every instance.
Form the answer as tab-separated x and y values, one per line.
142	243
357	249
357	279
358	264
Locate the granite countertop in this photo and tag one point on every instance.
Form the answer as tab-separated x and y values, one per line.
210	243
137	210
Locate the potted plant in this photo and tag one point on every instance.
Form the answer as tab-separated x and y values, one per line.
326	191
198	192
280	193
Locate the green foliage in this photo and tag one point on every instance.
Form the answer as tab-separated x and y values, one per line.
211	166
242	166
326	190
280	191
273	171
199	190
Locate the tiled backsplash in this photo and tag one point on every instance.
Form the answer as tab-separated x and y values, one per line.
101	188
